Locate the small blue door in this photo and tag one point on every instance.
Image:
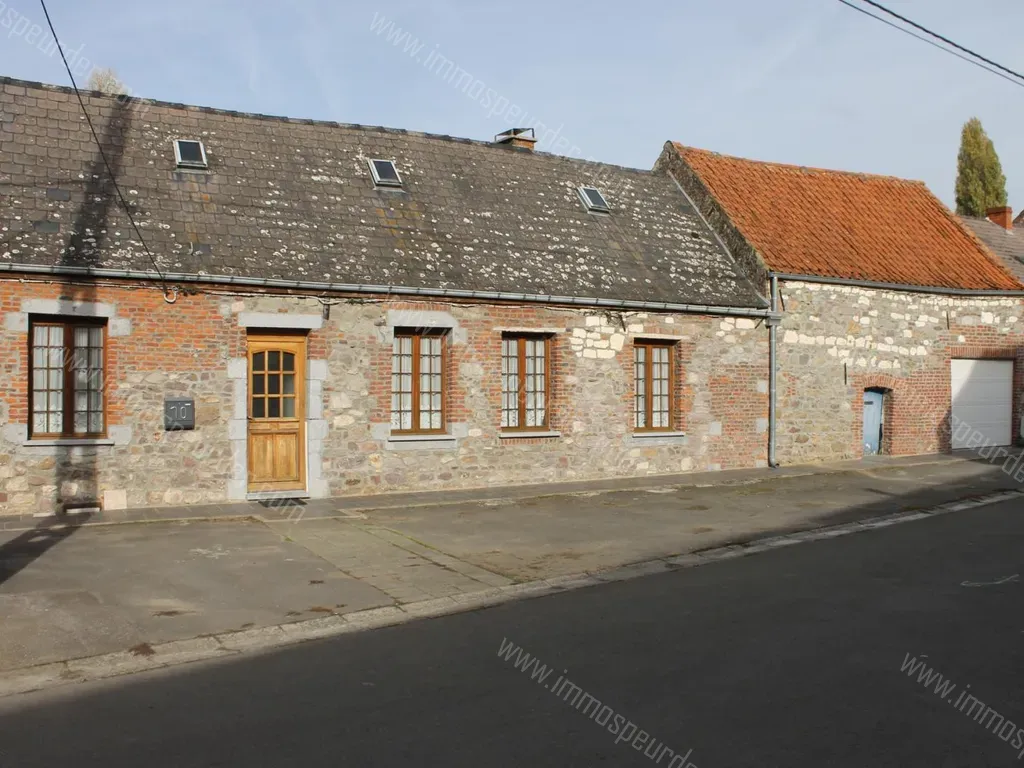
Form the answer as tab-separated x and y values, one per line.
872	422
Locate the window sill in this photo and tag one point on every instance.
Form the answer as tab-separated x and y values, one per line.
428	442
651	435
524	434
425	437
68	442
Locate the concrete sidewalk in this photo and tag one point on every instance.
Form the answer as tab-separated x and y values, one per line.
109	586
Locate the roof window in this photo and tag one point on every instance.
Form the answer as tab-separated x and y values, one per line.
594	200
384	173
189	153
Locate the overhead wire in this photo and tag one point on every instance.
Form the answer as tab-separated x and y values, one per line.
934	44
103	154
946	40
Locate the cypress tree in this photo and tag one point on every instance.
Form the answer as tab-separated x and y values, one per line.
980	183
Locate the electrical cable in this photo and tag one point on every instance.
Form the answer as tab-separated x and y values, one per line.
933	43
103	154
946	40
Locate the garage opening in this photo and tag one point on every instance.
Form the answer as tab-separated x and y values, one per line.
982	403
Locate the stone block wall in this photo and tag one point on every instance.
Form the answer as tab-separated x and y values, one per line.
195	348
836	341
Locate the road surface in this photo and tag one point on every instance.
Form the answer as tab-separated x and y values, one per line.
790	657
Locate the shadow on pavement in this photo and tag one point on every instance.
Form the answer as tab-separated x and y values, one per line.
24	549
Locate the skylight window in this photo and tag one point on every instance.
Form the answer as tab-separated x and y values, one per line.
593	199
385	174
189	153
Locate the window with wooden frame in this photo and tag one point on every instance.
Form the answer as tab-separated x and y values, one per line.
525	382
66	394
418	381
653	380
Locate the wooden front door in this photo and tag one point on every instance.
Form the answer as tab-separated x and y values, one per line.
277	413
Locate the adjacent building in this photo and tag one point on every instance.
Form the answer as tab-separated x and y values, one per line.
900	333
263	307
1003	235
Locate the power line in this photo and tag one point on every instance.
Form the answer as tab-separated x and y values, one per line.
99	145
933	43
946	40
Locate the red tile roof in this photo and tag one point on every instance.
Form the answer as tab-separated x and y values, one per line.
857	226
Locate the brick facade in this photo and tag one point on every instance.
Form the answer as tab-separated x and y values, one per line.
193	348
836	341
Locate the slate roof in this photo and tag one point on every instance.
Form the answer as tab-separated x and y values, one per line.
294	199
1007	245
838	224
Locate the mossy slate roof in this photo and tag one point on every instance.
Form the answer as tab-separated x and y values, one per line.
294	199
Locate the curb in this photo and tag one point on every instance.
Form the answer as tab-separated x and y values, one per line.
355	507
147	657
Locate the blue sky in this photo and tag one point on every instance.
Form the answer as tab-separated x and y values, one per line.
799	81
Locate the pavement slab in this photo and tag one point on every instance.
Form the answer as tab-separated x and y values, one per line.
73	591
388	563
542	537
105	589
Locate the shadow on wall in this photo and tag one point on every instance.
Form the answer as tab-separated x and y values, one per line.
85	363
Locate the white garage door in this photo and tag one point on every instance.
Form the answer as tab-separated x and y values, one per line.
982	402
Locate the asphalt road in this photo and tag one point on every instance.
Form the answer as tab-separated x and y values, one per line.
786	658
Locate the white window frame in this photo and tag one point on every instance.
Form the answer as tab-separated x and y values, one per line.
377	179
186	163
589	204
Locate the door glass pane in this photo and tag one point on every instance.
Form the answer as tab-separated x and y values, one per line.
259	384
288	361
259	362
274	407
273	361
289	407
274	383
258	408
289	383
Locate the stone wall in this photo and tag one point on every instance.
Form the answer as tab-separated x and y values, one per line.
195	348
835	341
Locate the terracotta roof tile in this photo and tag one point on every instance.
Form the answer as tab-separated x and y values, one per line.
857	226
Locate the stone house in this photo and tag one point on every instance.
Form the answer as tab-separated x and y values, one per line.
900	332
310	309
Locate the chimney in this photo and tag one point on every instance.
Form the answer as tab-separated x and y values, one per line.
524	138
1001	216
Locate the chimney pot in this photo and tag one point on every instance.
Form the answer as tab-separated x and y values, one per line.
1003	216
523	138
